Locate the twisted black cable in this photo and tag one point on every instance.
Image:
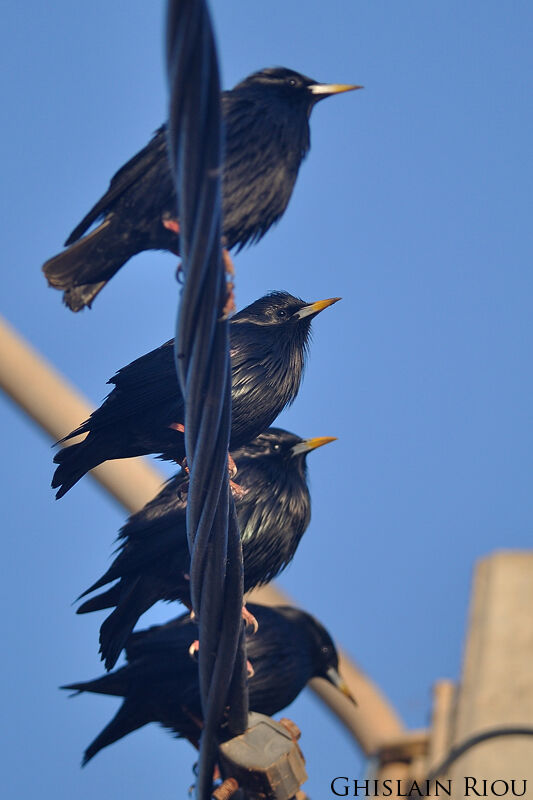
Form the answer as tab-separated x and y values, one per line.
472	741
202	361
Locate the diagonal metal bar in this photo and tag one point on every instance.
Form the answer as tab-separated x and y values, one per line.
202	362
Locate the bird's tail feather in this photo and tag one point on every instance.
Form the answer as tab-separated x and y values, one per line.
74	462
105	600
78	297
118	626
115	683
84	268
127	719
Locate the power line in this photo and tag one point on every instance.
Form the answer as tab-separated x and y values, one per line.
203	366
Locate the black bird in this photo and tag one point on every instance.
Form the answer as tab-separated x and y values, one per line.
160	682
274	511
144	412
267	137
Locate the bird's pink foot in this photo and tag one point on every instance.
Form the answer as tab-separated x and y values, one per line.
252	625
237	490
229	305
232	466
171	224
195	647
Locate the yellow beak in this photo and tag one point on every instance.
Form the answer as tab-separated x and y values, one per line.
311	444
334	678
315	308
327	89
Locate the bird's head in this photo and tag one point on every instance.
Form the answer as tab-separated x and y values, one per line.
269	340
325	659
281	311
280	451
274	332
287	86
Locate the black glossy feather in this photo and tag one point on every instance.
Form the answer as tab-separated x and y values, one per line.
268	344
153	559
160	682
267	136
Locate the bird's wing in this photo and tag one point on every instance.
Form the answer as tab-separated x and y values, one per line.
131	715
142	387
154	152
173	637
260	169
167	508
162	542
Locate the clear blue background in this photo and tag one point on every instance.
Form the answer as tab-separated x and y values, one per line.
415	207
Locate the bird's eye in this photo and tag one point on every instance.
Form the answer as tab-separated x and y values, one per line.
325	650
292	81
276	447
281	313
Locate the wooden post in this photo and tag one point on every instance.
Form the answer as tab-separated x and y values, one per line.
444	692
495	693
496	688
57	408
374	722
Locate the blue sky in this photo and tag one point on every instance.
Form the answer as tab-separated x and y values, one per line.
414	206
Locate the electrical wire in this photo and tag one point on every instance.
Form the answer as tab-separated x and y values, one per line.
203	366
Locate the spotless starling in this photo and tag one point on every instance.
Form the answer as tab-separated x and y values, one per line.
266	119
144	412
160	682
273	509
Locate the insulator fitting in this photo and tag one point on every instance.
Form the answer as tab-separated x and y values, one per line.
292	728
265	760
226	789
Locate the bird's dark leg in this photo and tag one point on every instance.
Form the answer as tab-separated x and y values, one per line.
172	224
197	721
